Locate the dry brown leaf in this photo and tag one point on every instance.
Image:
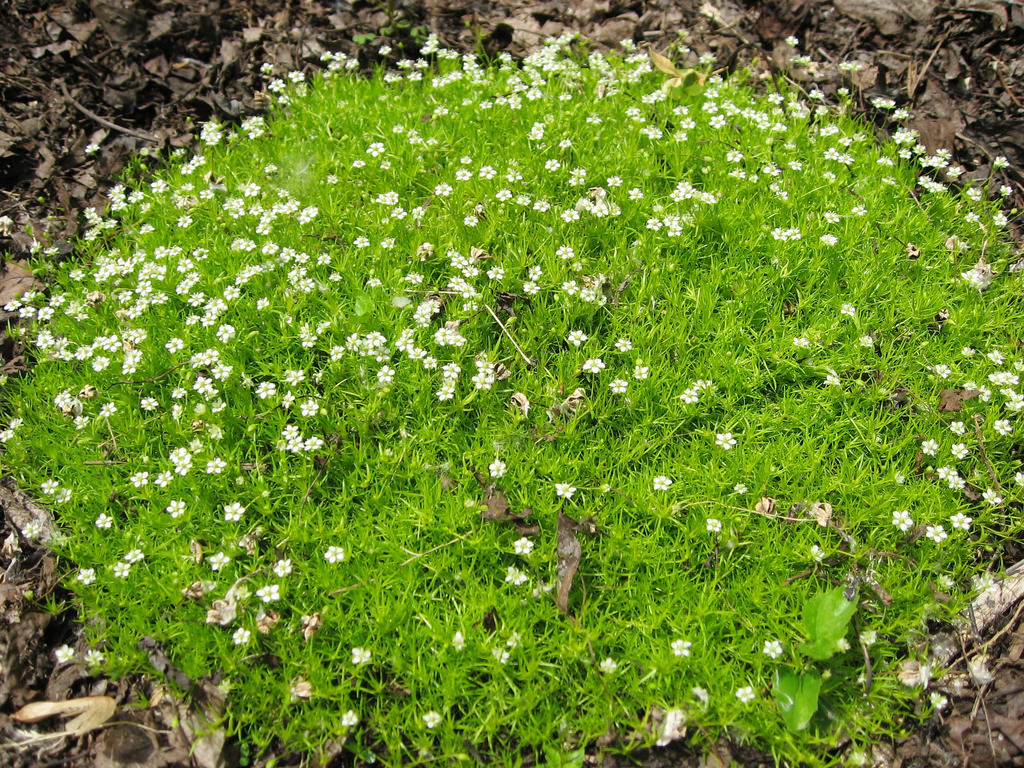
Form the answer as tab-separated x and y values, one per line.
222	612
766	506
569	553
822	513
951	400
570	405
14	281
673	727
265	621
194	591
25	513
913	673
520	401
310	625
301	688
496	507
90	712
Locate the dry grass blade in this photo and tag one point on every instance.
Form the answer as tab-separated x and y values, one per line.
90	713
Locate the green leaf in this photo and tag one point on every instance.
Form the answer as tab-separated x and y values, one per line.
797	697
826	617
664	64
364	305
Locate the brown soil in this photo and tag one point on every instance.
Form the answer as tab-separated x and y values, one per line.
131	75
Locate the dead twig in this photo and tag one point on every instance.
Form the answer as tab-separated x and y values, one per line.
151	380
984	453
996	64
417	555
144	135
529	362
914	80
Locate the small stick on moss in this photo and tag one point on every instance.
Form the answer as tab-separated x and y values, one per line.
150	381
351	586
770	515
417	555
984	453
529	362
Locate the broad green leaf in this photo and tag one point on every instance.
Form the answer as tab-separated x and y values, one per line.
797	697
826	617
663	64
364	305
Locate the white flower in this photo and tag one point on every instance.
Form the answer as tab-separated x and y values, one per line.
233	512
334	555
725	440
431	719
218	561
772	649
961	522
282	568
64	654
681	648
564	490
497	468
713	525
746	694
593	365
458	641
929	448
936	533
523	546
241	636
992	497
361	656
269	594
902	520
608	666
619	386
349	719
515	577
662	483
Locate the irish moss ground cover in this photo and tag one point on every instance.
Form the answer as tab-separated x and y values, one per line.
492	410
